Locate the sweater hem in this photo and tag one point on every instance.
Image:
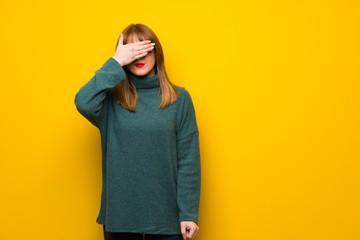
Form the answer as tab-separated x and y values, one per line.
149	229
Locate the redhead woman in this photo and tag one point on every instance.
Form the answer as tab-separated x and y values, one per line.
151	173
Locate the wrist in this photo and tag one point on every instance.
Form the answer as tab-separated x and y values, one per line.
121	64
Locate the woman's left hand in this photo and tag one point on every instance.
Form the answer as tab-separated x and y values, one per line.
188	229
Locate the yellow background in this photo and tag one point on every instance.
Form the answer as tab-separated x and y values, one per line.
275	86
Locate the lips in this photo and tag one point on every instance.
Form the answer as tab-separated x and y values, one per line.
139	65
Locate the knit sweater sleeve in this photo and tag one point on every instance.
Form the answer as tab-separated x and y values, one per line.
188	162
91	98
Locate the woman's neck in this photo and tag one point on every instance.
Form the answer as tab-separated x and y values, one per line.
144	81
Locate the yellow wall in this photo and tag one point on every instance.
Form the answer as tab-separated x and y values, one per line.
276	90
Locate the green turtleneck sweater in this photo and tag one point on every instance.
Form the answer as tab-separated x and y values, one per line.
151	170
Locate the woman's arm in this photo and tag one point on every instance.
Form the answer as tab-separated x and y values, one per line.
90	99
189	168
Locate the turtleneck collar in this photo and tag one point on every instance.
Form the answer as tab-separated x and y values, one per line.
144	82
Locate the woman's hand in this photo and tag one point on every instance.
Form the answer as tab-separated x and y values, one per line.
188	229
127	53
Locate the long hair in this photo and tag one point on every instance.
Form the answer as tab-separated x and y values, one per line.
125	92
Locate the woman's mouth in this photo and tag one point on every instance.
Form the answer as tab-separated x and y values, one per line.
139	65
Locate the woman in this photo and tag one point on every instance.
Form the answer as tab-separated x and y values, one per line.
151	173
